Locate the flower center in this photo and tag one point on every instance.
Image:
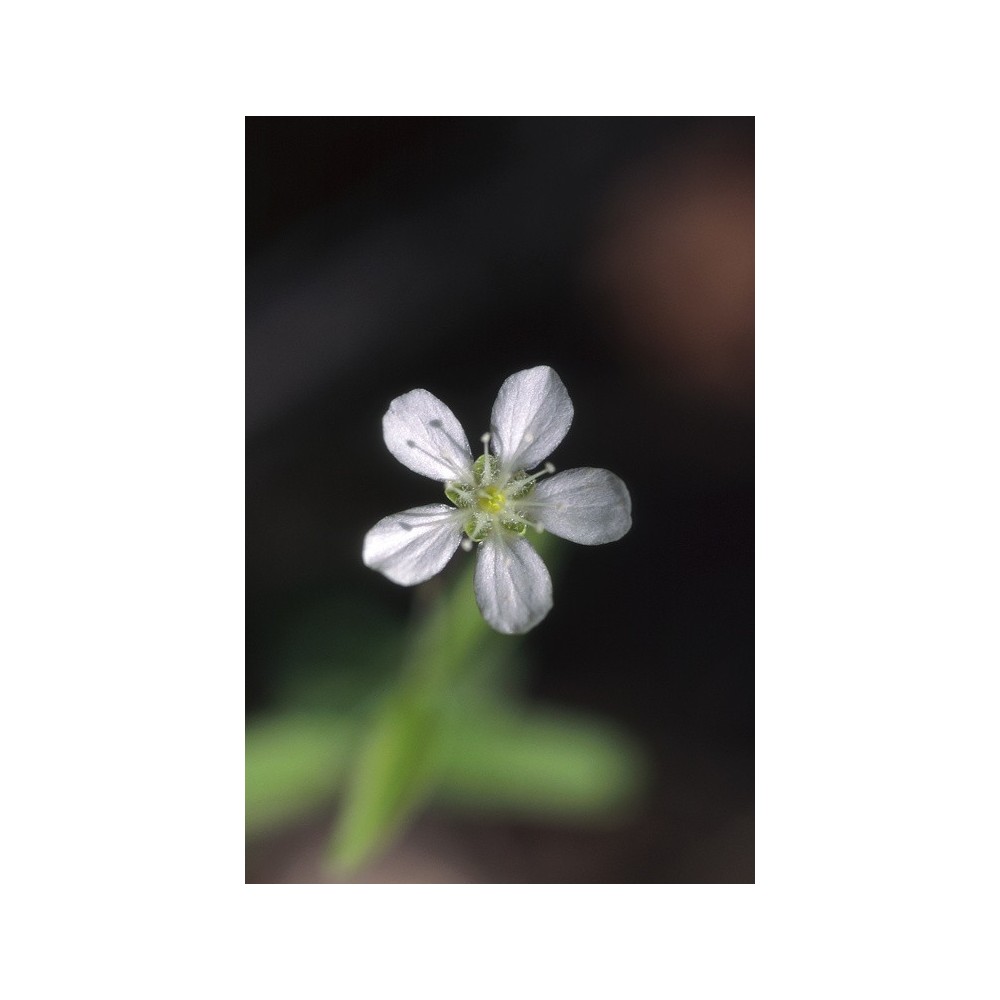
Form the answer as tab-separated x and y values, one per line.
490	505
491	499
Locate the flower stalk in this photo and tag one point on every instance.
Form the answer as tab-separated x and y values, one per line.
399	757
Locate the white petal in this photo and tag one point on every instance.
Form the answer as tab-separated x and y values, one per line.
590	506
531	416
412	546
513	587
426	437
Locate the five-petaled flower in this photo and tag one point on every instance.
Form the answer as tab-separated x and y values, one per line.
495	499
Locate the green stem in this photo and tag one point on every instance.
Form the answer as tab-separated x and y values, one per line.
397	762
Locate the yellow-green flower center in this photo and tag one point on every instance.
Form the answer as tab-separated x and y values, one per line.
494	498
491	499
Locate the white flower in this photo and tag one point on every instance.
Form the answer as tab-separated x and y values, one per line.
495	499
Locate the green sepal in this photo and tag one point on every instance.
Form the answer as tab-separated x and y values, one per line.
459	494
518	527
485	468
477	533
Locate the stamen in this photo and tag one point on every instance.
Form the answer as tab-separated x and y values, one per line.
546	470
487	478
466	544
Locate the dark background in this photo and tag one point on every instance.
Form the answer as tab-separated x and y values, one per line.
447	253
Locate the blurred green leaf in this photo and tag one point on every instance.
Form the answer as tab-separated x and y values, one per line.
442	730
549	765
294	764
552	765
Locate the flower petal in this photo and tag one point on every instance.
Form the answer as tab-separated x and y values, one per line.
589	506
531	415
513	587
426	437
414	545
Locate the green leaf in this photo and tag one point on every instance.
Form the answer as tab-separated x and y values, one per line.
553	765
294	764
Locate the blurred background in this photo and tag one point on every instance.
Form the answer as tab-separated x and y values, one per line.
385	254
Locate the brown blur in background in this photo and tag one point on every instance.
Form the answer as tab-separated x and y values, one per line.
386	254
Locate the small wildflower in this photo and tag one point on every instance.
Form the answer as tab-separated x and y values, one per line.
494	498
